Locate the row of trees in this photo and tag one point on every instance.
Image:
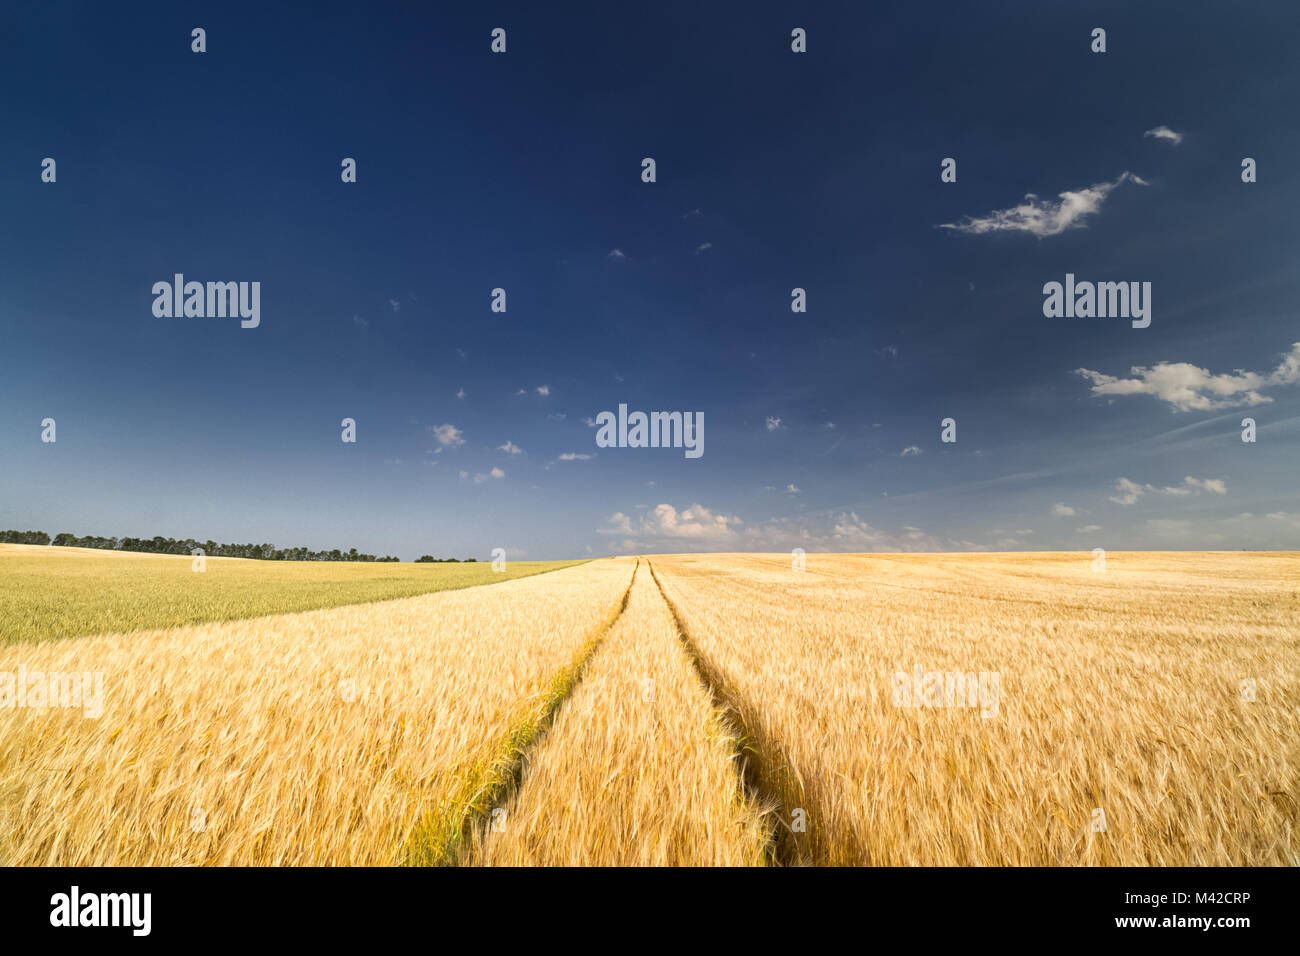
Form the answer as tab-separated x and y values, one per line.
430	559
161	545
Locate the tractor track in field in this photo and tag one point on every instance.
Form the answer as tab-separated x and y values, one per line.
758	767
453	840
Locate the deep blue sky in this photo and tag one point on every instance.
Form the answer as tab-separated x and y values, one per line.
522	170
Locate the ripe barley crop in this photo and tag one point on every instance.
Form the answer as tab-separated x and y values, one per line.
353	735
638	768
1147	715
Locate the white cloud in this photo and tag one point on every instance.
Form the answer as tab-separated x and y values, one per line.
575	456
543	390
616	254
1062	510
665	521
910	450
703	247
397	306
480	478
1089	528
829	425
461	394
449	436
699	529
1131	491
1043	217
792	488
589	422
358	320
1164	132
1216	485
773	423
1186	387
510	448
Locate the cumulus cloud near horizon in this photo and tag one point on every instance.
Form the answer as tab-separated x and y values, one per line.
697	528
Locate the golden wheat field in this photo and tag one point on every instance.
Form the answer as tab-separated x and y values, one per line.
884	709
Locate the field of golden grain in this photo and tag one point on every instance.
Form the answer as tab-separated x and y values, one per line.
50	592
1121	732
972	709
352	735
638	769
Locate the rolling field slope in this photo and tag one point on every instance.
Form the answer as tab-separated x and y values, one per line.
892	709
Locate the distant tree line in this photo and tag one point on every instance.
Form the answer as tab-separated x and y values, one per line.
430	559
161	545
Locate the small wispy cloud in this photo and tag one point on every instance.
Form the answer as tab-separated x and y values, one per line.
360	322
589	422
1290	518
773	423
543	390
792	489
397	306
510	448
909	451
1164	132
448	435
703	247
1062	510
1045	217
615	254
575	456
461	394
494	474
